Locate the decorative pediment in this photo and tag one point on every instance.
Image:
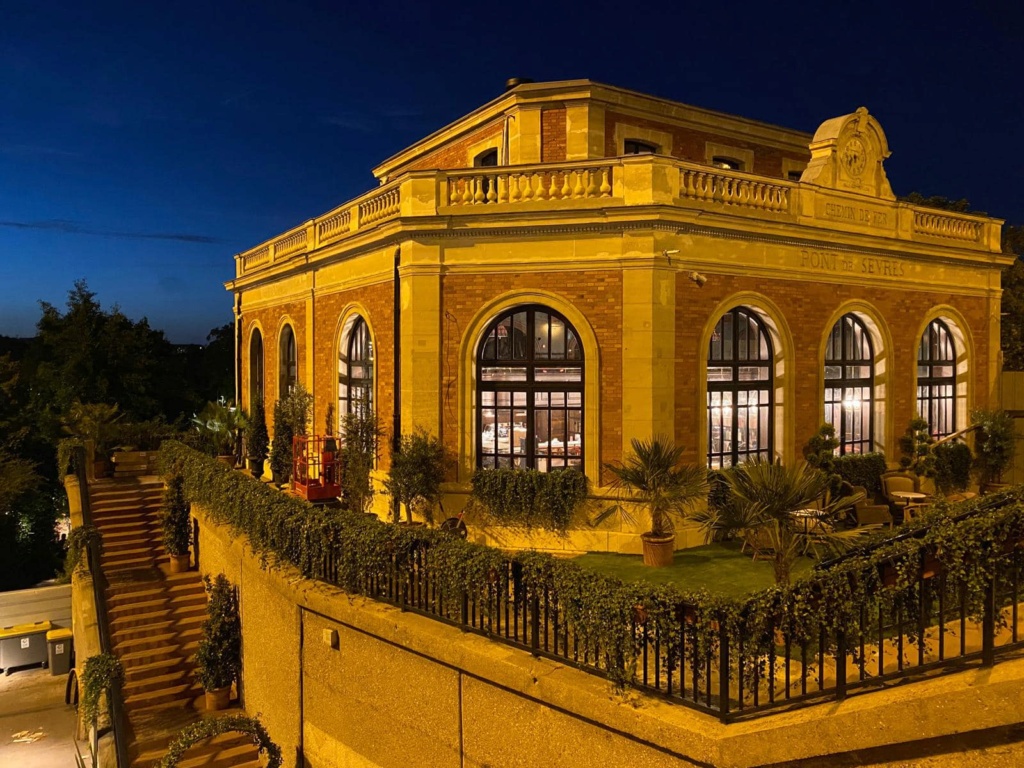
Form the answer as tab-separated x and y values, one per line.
847	153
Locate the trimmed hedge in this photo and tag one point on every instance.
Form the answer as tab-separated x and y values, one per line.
864	469
529	498
357	551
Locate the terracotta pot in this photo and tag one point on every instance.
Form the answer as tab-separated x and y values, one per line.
256	467
659	551
218	698
179	563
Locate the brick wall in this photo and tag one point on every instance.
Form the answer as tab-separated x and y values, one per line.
688	144
378	301
269	319
807	308
455	154
598	295
552	135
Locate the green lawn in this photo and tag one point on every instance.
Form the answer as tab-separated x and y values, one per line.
718	568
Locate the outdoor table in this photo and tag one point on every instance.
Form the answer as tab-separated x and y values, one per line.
807	516
909	496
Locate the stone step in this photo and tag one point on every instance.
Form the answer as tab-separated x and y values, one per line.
229	750
157	642
169	625
156	682
186	701
130	621
117	563
140	673
122	603
168	652
179	694
145	540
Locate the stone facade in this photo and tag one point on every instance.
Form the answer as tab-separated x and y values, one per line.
642	254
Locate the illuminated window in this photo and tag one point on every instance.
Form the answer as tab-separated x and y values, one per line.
255	368
288	362
850	384
739	390
936	379
530	392
727	163
634	147
355	370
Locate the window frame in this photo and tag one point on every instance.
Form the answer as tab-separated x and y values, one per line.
651	148
257	368
929	385
734	386
844	382
358	332
288	361
530	386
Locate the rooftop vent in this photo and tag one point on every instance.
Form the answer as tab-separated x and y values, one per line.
513	82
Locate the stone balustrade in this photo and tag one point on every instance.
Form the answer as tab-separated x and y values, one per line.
710	185
380	206
943	225
618	182
490	186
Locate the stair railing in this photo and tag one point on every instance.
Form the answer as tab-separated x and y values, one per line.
118	721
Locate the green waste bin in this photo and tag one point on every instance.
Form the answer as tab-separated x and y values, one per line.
59	644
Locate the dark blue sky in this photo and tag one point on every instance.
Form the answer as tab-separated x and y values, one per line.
143	144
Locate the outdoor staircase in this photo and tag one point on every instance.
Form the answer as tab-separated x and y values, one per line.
155	624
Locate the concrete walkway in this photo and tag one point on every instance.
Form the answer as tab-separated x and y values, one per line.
33	700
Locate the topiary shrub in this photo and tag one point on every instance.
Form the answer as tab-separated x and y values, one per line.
358	457
916	447
281	452
417	471
863	469
219	656
257	441
953	463
174	517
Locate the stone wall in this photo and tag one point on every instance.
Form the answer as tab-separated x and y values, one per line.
343	681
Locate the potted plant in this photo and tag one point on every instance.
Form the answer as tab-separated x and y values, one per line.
94	423
993	447
953	462
219	656
281	449
174	522
417	471
330	450
258	441
218	425
358	457
916	447
655	476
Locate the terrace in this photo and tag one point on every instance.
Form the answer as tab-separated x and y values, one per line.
623	188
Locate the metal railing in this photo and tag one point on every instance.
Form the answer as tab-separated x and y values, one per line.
695	660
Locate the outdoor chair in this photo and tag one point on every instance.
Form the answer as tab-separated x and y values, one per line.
871	515
759	543
897	482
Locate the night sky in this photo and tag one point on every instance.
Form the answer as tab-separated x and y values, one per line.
143	144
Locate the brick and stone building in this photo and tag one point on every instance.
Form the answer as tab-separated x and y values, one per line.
573	265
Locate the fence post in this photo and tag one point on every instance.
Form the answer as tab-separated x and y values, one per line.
535	621
723	669
465	607
988	624
840	665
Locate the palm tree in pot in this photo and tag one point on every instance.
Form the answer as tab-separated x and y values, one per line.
654	475
219	656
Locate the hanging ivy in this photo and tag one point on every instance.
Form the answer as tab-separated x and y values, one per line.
209	727
972	542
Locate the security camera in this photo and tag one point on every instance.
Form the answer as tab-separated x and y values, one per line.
669	254
698	278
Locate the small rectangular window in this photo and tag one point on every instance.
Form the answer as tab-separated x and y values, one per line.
635	147
727	163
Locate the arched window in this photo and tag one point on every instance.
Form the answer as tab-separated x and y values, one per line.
288	362
739	389
850	384
255	368
486	159
530	392
355	370
936	379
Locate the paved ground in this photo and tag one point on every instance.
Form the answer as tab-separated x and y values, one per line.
33	700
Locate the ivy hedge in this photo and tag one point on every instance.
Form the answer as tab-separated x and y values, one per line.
528	498
209	727
974	543
863	469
